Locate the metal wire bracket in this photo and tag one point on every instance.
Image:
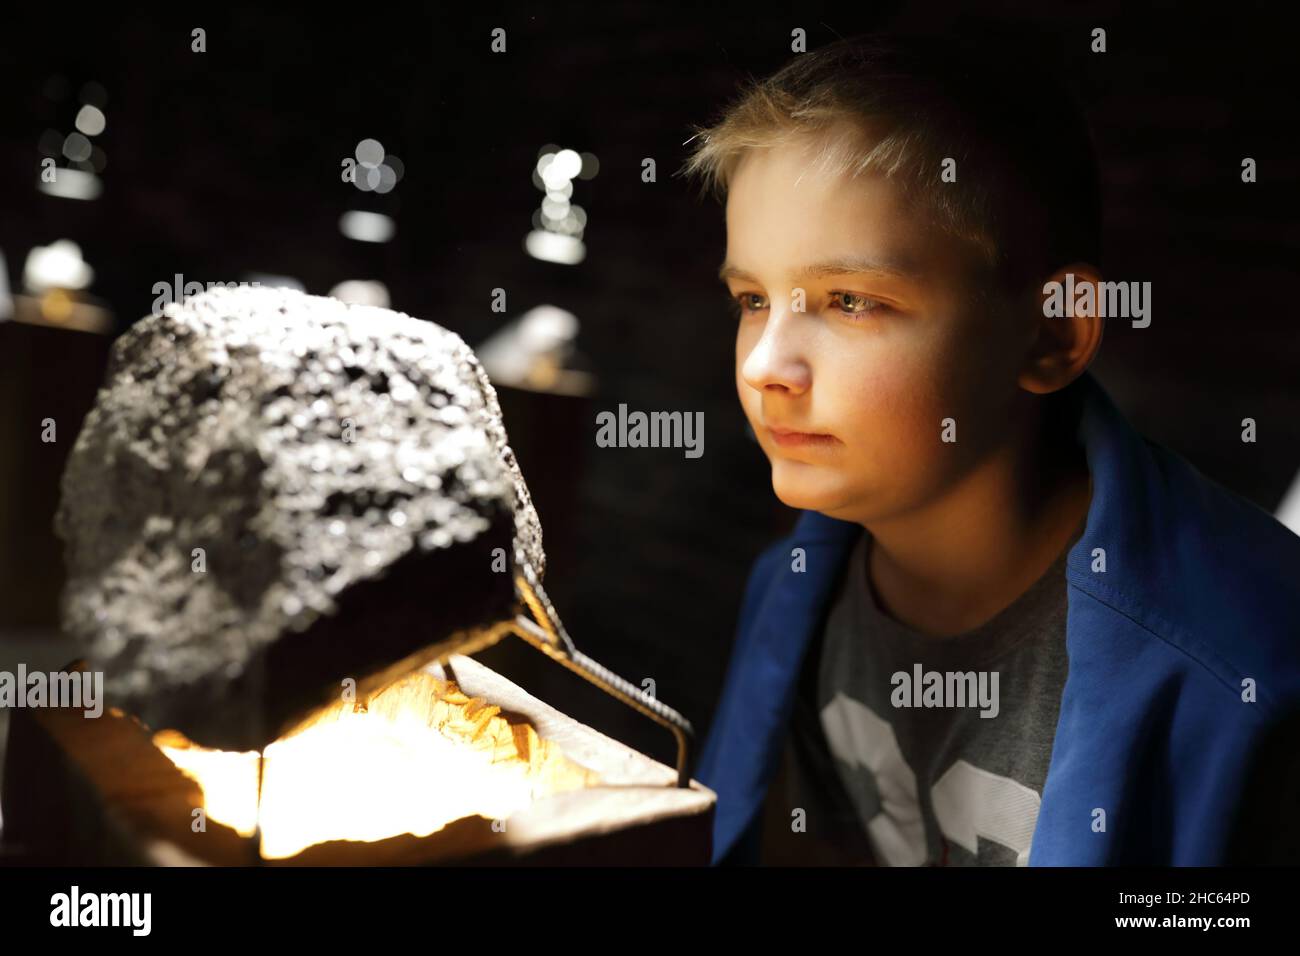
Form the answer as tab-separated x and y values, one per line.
546	633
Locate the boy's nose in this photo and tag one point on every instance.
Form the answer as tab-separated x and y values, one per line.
777	360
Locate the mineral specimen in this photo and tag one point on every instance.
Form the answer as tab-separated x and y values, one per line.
276	492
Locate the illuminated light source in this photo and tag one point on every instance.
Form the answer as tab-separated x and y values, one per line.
547	327
380	171
558	225
274	281
571	224
554	177
76	147
546	154
367	226
533	352
56	266
555	209
72	184
370	153
91	120
420	755
361	292
566	164
552	247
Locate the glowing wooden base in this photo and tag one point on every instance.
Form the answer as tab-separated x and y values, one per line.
472	771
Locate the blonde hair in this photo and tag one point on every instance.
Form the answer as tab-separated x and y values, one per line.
1026	194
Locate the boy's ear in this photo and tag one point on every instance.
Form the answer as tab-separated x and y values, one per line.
1067	329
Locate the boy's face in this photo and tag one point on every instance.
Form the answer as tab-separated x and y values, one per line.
879	356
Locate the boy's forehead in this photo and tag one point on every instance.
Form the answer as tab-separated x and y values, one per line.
785	212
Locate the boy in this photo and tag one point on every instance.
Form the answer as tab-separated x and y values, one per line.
1006	629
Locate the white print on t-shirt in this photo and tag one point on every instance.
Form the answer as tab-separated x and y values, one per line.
968	802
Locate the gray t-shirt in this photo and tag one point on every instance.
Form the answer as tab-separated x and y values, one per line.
939	746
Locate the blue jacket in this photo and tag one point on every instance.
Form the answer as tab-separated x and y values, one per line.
1200	592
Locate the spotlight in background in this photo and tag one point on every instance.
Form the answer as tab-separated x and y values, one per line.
537	352
55	278
91	120
56	266
377	171
558	224
362	292
367	226
271	280
78	179
72	183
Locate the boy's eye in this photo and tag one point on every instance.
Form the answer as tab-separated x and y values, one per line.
851	304
859	304
743	304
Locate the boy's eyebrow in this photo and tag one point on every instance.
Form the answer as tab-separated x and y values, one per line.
849	265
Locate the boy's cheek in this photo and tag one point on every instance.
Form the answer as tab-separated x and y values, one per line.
896	431
889	414
892	403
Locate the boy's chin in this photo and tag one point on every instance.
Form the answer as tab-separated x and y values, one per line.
807	487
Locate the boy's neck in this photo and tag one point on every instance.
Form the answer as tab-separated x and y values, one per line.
955	564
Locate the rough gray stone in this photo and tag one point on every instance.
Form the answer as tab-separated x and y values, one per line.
344	470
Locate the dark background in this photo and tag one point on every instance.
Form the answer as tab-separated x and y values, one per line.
228	161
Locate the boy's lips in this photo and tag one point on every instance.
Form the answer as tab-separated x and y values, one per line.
789	437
